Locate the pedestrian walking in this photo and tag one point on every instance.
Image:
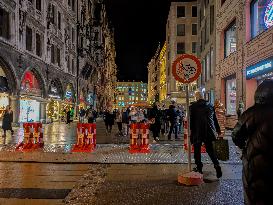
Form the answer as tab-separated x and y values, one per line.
109	121
204	127
68	115
254	135
155	122
172	117
125	122
90	116
119	121
240	109
82	115
7	120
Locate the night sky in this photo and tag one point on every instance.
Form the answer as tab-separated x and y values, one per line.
139	26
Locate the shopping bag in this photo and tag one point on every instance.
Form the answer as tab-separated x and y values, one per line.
221	149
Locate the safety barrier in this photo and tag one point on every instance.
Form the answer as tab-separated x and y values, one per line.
33	137
86	138
139	138
203	148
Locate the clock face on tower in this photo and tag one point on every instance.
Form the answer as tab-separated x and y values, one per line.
268	15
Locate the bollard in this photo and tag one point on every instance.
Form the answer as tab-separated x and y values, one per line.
134	131
144	132
33	137
86	138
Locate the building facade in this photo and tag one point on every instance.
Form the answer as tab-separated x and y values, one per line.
154	77
47	52
157	79
181	38
130	93
206	50
244	51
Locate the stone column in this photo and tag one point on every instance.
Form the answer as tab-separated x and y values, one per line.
15	106
43	112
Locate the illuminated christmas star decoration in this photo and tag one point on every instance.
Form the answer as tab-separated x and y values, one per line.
268	16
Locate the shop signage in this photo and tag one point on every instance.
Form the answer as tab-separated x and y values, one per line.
268	15
186	68
260	68
68	93
54	92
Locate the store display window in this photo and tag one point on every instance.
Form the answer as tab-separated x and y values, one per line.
261	16
30	84
230	39
231	96
29	110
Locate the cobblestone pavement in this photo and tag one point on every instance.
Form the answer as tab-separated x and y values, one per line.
119	184
38	183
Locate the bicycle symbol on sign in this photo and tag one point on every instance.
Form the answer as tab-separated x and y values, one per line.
187	71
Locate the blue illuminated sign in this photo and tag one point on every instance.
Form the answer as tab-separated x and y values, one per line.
260	68
268	15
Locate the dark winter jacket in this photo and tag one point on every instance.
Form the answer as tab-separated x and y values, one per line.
156	114
7	120
172	114
203	122
125	117
254	135
109	118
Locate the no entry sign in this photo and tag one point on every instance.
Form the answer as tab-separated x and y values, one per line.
186	68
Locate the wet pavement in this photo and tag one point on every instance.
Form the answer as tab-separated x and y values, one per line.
59	140
36	183
156	184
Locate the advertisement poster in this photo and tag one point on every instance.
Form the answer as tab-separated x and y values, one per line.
231	96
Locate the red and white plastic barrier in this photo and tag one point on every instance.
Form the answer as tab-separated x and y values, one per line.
86	137
33	137
139	138
185	125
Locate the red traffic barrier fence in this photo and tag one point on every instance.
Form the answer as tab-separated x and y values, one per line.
139	138
33	137
86	137
203	148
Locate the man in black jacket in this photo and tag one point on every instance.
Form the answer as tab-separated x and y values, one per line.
254	135
204	128
172	116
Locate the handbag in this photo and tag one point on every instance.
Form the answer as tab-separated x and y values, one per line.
221	149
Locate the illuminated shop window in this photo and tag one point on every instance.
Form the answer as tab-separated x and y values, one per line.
261	16
230	39
231	95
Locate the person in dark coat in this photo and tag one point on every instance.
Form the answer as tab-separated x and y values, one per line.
109	121
254	135
156	120
204	127
125	121
7	120
68	115
172	116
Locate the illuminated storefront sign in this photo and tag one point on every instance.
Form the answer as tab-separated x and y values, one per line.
260	68
69	94
268	15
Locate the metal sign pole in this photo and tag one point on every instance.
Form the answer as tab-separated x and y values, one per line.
189	130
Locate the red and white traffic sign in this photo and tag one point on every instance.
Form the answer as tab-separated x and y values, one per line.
186	68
